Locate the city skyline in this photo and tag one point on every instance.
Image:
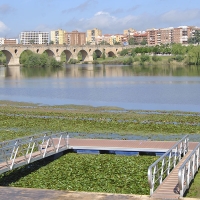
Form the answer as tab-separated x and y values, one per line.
110	16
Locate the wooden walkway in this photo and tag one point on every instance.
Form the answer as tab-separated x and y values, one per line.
169	187
126	145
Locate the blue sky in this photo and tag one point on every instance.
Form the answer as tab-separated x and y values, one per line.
111	16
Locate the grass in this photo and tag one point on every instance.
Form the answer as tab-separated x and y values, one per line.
194	191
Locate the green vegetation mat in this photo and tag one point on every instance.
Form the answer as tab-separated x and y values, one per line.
18	119
80	172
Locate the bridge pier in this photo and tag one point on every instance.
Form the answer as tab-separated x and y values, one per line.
58	58
13	61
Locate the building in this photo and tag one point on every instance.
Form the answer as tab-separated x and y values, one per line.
34	37
140	36
165	35
92	35
2	41
58	36
8	41
153	36
75	38
129	32
11	41
170	35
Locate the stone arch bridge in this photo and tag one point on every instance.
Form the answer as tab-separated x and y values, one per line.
13	52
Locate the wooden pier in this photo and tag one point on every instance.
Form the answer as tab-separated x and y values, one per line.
54	146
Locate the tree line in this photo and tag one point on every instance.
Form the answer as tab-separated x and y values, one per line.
178	52
30	59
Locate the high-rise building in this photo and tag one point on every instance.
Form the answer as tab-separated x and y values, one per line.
58	36
153	36
75	38
34	37
170	35
129	32
140	36
92	35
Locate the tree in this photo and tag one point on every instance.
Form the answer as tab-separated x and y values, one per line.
104	55
31	41
51	42
117	43
94	56
80	57
144	42
132	41
123	52
178	49
144	58
46	41
194	55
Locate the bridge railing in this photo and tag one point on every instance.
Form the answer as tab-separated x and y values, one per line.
188	170
161	168
15	153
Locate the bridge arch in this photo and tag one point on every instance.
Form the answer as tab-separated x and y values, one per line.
49	52
111	54
83	54
9	57
68	55
98	53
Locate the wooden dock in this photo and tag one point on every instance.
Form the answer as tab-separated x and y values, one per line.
168	188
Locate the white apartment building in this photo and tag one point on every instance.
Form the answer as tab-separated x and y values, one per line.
2	41
34	37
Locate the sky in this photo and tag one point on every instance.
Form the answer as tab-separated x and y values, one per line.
110	16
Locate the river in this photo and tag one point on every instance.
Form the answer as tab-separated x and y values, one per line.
129	87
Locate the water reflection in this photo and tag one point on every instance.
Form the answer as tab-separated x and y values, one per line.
129	87
90	71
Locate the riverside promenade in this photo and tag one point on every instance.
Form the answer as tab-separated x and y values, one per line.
10	193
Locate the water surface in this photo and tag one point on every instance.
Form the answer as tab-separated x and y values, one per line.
128	87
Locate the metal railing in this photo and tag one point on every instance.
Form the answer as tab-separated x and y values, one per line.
188	170
161	168
21	151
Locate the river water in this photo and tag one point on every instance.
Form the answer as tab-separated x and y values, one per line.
128	87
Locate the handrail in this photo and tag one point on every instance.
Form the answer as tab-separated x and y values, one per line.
11	142
188	170
161	168
25	150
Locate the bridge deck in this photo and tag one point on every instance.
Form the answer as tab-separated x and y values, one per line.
169	187
129	145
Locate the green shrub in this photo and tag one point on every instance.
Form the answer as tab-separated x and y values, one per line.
95	62
136	59
179	58
73	61
128	61
144	58
156	58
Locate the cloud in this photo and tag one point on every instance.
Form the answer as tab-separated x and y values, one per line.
178	16
112	23
4	9
3	27
81	7
109	23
